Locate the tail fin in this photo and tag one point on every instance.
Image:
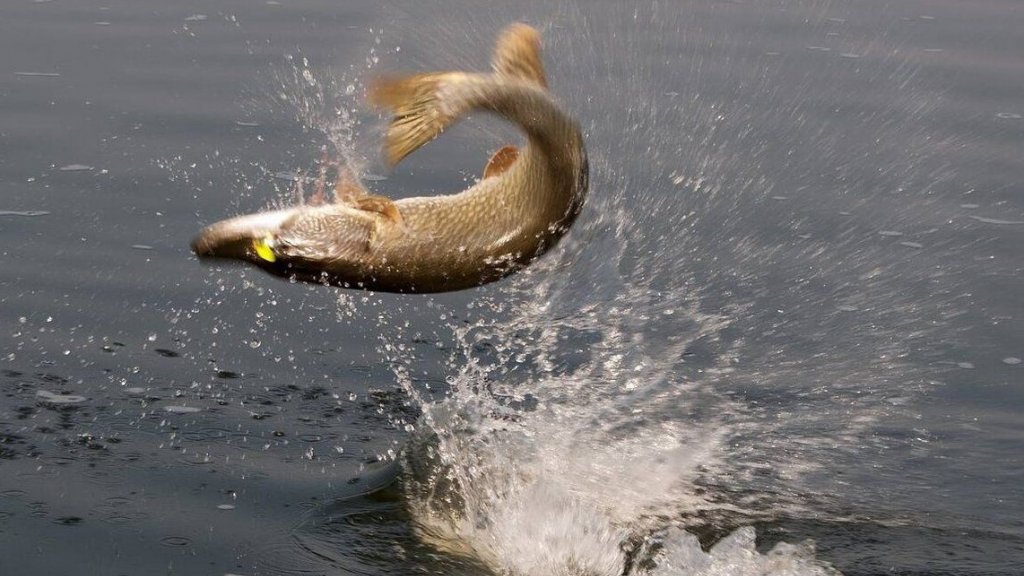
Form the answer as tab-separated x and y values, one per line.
425	104
517	55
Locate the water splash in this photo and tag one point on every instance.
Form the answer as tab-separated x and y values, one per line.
734	555
699	344
726	331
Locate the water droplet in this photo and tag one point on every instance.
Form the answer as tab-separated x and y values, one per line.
995	220
182	409
28	213
50	398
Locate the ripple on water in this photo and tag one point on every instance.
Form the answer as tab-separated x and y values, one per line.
205	434
38	509
195	459
41	472
102	476
176	541
119	510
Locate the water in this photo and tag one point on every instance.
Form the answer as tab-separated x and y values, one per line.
790	307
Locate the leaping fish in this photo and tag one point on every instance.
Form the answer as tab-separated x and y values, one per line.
525	202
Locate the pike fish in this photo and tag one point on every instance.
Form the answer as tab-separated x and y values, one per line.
525	202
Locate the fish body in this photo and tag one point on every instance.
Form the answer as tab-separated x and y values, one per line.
527	199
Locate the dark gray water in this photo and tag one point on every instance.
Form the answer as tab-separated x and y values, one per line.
793	300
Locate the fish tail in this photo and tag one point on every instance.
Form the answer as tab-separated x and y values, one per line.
517	55
424	105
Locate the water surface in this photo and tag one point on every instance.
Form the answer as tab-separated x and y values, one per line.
791	303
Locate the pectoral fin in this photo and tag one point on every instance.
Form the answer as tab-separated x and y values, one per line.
425	104
419	114
500	161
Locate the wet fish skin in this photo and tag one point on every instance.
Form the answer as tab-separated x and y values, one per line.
525	203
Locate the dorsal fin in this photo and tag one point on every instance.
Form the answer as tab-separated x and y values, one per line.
381	205
500	161
517	54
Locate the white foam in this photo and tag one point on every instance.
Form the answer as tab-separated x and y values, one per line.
734	555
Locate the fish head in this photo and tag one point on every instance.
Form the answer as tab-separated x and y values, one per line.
324	244
248	238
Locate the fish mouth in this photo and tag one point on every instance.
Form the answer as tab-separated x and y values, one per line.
237	238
